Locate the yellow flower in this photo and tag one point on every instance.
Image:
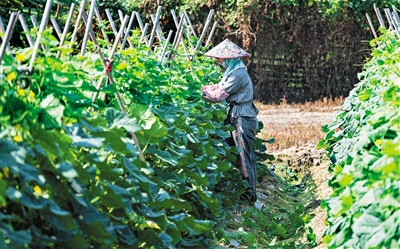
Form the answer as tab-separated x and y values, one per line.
6	172
21	92
378	141
20	57
17	138
12	76
37	191
31	94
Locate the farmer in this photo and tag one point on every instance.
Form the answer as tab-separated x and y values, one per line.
237	89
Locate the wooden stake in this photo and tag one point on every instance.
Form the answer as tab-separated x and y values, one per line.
161	58
43	25
127	31
3	30
159	32
7	35
178	26
66	28
155	24
378	14
203	33
143	37
389	18
100	21
142	28
110	19
211	33
56	27
88	26
26	30
371	25
78	19
190	24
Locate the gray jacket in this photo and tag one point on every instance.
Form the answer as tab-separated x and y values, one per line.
240	89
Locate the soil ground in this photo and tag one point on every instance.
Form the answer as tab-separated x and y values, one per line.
297	130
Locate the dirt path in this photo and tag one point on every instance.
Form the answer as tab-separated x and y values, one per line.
297	130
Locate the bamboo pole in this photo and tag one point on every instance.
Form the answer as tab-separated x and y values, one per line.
113	50
66	28
3	30
211	33
203	33
7	35
143	37
142	27
396	14
161	58
155	24
159	32
389	18
26	30
131	19
371	25
121	15
179	28
177	25
43	25
190	24
36	26
88	26
378	14
56	27
100	21
77	22
110	19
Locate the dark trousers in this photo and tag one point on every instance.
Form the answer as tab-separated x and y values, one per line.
243	137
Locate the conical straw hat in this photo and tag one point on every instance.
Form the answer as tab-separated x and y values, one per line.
227	50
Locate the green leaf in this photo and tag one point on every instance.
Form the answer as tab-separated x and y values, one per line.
120	120
53	107
365	224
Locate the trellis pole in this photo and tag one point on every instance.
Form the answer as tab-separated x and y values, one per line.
7	35
110	19
56	27
211	33
3	30
43	25
203	33
178	26
66	28
127	31
161	58
389	18
113	50
36	25
155	24
159	32
143	37
100	21
26	30
378	14
190	24
371	25
78	20
396	15
88	25
143	29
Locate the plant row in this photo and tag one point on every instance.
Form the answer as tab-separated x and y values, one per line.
363	144
71	175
